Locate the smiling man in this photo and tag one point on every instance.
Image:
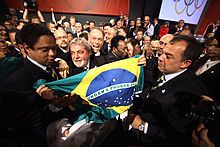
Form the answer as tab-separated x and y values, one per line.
62	42
82	58
80	52
96	40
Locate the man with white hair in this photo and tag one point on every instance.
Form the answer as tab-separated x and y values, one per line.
81	57
66	25
110	33
96	40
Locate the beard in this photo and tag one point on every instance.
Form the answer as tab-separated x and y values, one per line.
81	63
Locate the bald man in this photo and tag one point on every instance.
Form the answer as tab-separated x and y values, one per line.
62	42
96	40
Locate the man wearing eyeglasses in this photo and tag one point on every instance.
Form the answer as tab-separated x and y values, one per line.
62	42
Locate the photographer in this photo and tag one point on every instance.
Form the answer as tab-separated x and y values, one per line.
200	137
36	18
206	135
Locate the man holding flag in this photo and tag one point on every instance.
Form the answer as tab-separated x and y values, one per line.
106	89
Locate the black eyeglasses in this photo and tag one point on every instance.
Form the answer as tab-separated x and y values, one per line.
210	45
2	41
61	37
162	43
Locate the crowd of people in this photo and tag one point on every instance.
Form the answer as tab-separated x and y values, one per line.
178	70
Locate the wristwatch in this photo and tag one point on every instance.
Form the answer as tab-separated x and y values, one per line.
141	126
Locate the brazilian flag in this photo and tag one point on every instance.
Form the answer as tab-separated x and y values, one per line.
109	88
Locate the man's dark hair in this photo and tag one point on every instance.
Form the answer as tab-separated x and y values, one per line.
115	40
208	40
193	49
140	30
217	36
91	21
18	37
30	33
35	17
107	24
13	31
181	20
133	42
84	35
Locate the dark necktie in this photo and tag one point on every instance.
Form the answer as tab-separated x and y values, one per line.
52	73
159	82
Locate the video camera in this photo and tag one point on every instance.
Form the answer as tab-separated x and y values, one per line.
31	4
200	38
194	109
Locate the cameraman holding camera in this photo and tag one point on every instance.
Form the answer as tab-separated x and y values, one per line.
200	137
32	5
207	133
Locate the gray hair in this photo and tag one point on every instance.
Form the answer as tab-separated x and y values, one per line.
97	28
115	31
82	42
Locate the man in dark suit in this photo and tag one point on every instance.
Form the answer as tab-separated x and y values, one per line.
62	42
82	58
156	29
126	21
118	49
208	68
96	40
157	121
26	113
110	33
212	28
131	29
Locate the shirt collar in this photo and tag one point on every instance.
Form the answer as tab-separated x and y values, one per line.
36	63
87	66
115	54
97	54
65	51
17	49
173	75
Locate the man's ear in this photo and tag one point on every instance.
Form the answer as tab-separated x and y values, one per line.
26	47
90	53
114	49
89	37
186	64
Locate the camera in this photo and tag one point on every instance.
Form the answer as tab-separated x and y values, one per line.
30	4
200	38
196	110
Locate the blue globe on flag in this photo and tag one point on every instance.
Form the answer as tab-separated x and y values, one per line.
113	87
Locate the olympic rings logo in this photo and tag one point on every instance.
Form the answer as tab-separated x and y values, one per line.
188	3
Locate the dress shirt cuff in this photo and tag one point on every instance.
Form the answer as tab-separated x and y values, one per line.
145	127
54	108
58	59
